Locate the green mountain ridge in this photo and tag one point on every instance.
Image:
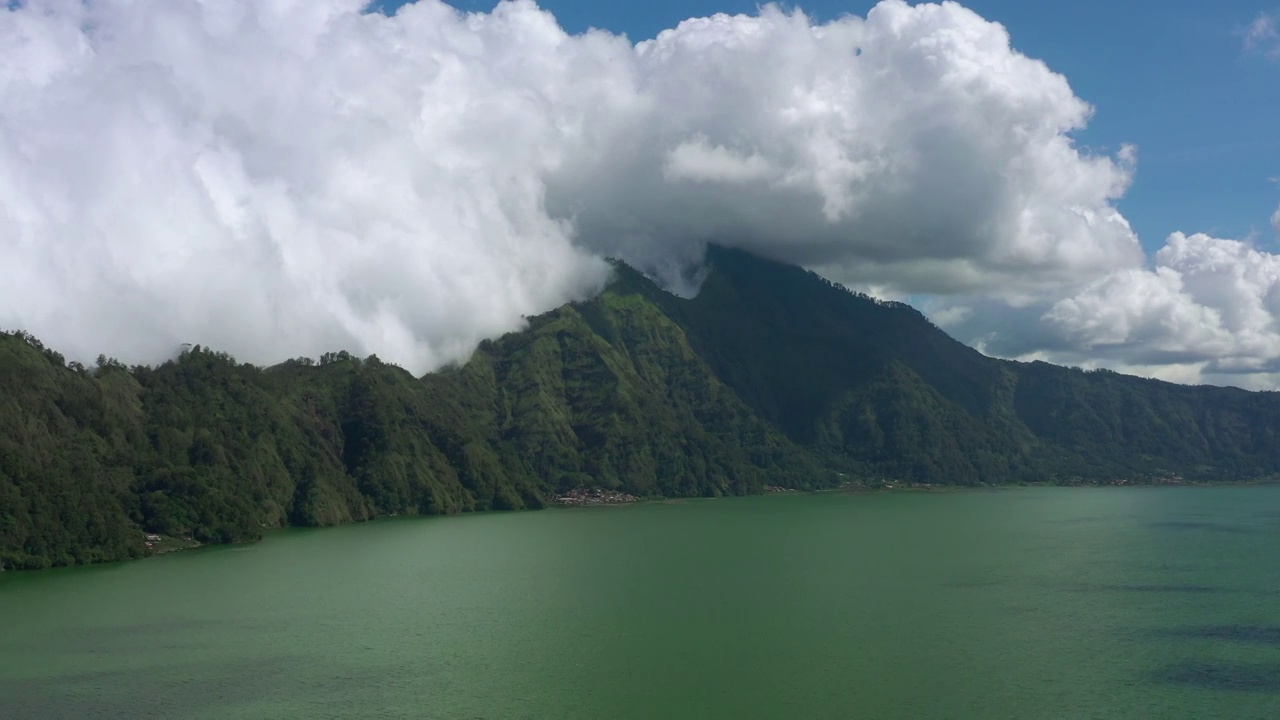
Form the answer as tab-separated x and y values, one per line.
770	376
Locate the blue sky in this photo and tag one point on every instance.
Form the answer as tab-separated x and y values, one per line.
1176	81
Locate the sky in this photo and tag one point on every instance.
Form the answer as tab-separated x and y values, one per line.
1177	82
1088	183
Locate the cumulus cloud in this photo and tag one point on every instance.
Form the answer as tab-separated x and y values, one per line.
274	179
295	176
1208	299
1208	309
695	160
913	148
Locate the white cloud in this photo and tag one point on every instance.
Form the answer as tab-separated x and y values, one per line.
913	148
1206	310
292	177
1263	35
696	160
273	179
1207	301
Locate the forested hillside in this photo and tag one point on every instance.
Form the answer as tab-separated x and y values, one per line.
770	376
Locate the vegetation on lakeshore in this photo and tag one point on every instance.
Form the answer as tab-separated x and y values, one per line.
771	376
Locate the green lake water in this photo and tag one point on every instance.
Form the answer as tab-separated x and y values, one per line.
1019	603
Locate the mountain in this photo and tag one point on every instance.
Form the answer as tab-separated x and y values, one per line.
770	376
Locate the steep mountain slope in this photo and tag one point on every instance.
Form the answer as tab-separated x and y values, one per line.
877	387
858	380
606	394
770	375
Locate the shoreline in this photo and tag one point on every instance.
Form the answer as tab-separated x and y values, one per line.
595	497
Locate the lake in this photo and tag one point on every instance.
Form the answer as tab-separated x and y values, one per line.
1015	603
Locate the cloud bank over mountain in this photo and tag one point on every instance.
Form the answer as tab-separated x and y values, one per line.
290	177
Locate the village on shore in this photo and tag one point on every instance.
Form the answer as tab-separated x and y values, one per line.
595	496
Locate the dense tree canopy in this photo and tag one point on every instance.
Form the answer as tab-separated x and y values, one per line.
771	376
